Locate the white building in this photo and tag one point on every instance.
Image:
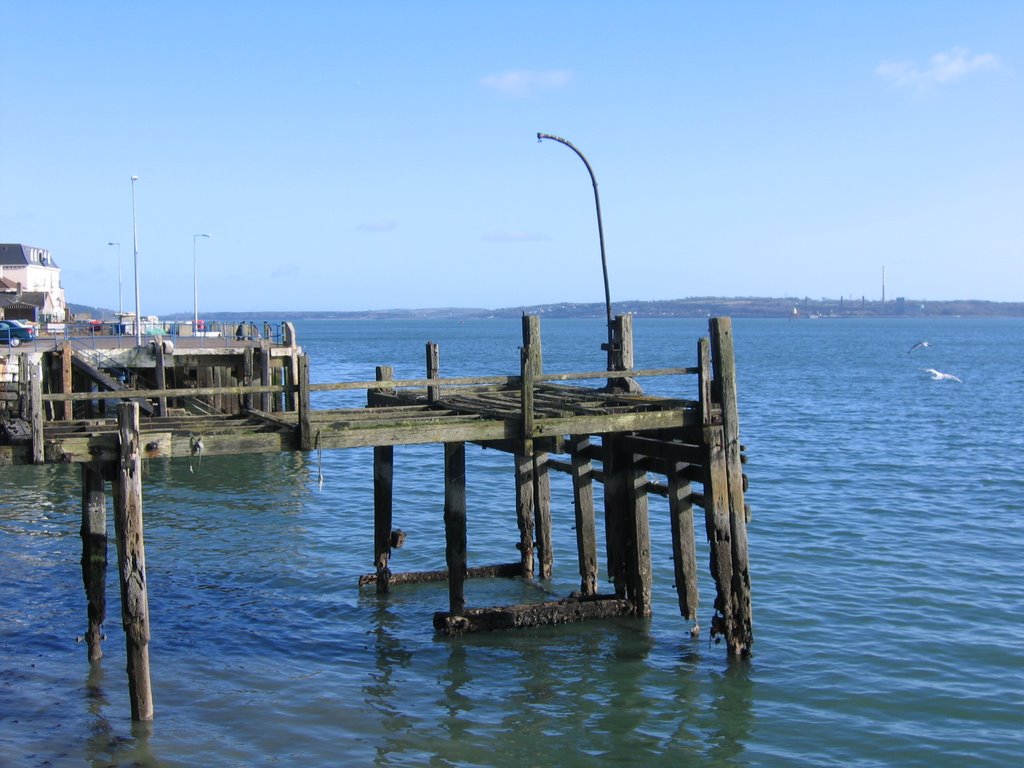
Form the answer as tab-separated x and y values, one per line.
30	284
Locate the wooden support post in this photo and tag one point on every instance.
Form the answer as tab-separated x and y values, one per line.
282	381
131	561
627	527
265	397
433	369
455	524
35	398
305	425
288	333
583	503
291	379
94	554
527	373
638	545
383	494
542	513
66	378
684	545
160	375
247	376
620	356
383	485
740	625
24	388
531	339
614	515
716	503
524	509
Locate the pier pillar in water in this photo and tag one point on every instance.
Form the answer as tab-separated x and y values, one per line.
131	561
739	632
94	554
583	505
455	524
383	496
684	544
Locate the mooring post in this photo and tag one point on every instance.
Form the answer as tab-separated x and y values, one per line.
583	504
684	545
131	561
94	554
455	524
740	636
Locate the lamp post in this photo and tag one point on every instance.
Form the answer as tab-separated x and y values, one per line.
135	238
600	235
120	305
195	286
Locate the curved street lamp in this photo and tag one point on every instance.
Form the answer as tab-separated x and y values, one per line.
195	286
600	235
135	238
120	304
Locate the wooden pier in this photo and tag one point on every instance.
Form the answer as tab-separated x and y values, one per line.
183	401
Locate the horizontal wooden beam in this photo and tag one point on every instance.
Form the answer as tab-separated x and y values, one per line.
501	571
570	609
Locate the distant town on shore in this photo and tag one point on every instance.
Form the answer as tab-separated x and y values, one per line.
704	306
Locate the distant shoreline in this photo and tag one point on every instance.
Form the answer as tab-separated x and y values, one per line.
685	308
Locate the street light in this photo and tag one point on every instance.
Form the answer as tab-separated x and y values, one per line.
135	238
600	235
195	286
120	306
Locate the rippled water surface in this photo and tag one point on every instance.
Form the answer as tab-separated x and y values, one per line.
885	552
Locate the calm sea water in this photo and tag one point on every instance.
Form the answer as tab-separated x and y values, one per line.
885	548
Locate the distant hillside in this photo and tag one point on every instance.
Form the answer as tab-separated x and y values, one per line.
692	307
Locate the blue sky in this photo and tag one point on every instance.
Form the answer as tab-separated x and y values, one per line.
350	156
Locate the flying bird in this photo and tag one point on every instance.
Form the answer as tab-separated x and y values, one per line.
919	345
939	375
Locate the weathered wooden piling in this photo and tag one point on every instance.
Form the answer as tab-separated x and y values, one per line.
684	545
583	508
455	524
383	491
131	561
739	633
94	554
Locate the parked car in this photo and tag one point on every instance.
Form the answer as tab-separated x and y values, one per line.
13	332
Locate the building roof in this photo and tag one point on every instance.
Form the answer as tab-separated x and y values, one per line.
20	255
27	299
8	286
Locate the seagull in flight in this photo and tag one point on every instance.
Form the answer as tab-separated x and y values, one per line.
919	345
939	375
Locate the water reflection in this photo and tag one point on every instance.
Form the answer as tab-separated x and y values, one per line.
609	691
104	747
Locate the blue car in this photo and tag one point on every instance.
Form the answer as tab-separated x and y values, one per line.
13	332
